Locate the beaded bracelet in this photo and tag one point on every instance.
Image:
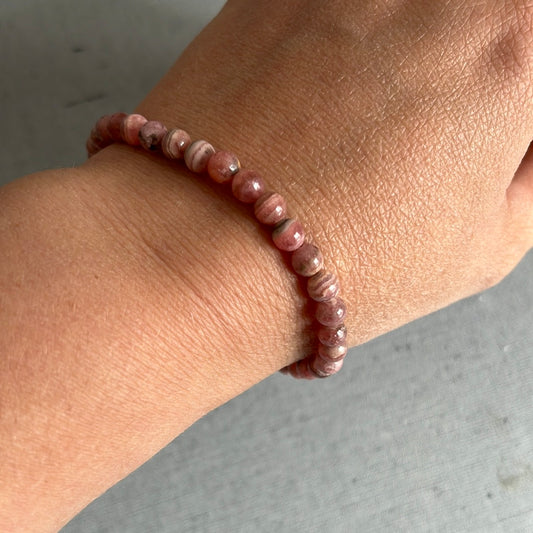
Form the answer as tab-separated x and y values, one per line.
270	209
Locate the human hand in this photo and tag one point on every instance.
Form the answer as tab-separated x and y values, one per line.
395	129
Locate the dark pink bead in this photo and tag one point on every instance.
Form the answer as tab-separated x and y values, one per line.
102	129
96	137
323	368
92	147
222	166
114	126
174	143
197	155
331	313
151	134
307	260
289	235
130	128
96	140
270	208
247	186
301	370
332	353
332	336
323	286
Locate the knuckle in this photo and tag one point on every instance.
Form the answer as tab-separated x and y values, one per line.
508	51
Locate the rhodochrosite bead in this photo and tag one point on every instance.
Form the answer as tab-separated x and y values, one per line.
289	235
323	286
197	155
151	134
332	336
114	126
270	209
307	260
222	166
323	368
174	143
130	128
247	186
332	353
331	313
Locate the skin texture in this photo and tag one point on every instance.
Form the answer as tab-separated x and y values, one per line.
398	132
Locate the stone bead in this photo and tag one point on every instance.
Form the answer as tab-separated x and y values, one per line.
114	126
247	186
288	235
130	128
307	260
174	143
92	147
332	336
101	129
270	208
323	286
301	370
332	353
222	166
323	368
197	155
151	135
331	313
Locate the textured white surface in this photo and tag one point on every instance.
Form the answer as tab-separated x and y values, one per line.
427	429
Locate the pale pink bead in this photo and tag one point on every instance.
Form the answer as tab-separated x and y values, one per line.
101	129
151	134
114	126
332	336
174	143
301	370
307	260
323	368
270	208
323	286
247	186
332	353
197	155
289	235
130	128
331	313
222	166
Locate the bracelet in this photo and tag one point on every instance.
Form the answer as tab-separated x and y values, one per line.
270	209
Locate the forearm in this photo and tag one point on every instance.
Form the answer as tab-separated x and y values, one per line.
133	301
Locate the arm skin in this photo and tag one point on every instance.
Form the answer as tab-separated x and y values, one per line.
131	294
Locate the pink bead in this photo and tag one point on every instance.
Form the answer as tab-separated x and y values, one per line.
197	155
332	353
92	147
332	336
270	208
323	286
289	235
247	186
102	131
151	134
174	143
331	313
114	126
307	260
301	370
222	166
130	128
323	369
